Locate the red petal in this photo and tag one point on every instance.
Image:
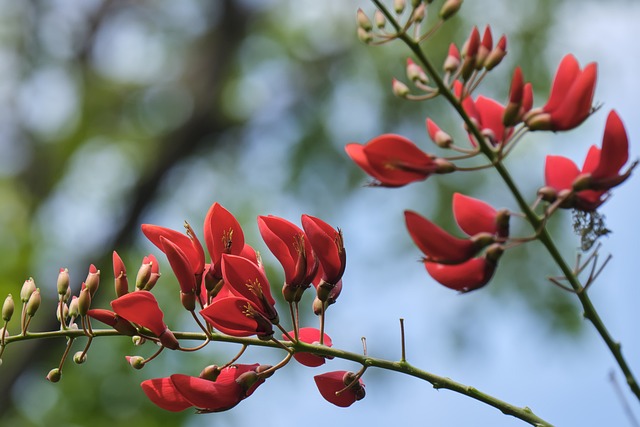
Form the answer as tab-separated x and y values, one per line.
396	161
491	113
142	308
246	279
464	277
192	248
118	265
567	72
163	393
180	266
474	216
208	395
615	148
332	382
560	172
515	92
576	106
228	315
222	235
328	246
310	336
435	243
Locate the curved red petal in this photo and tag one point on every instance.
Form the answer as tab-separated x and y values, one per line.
310	336
222	234
465	277
491	113
615	148
576	105
233	316
180	266
474	216
142	308
435	243
560	172
567	72
208	395
192	248
245	278
332	382
163	393
328	246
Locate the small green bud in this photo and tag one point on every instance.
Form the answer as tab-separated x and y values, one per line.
399	5
54	375
399	89
63	281
363	20
136	362
84	301
7	308
380	19
450	8
80	357
34	303
27	289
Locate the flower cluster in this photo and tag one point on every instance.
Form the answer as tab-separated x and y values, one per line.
493	129
232	294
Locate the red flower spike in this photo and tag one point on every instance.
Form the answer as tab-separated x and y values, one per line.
188	243
247	280
164	394
437	244
474	216
392	160
465	277
310	336
570	99
238	317
223	235
333	388
328	245
292	248
180	266
142	308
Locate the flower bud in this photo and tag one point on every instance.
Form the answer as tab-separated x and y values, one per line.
419	12
363	21
399	5
444	166
34	303
84	301
93	279
138	340
364	35
63	281
415	73
497	54
399	89
121	283
136	362
80	357
65	312
379	19
28	287
210	373
7	308
452	61
144	273
449	8
54	375
74	311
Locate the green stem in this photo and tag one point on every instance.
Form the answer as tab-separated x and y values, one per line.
536	222
438	382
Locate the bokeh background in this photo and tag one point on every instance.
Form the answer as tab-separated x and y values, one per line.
118	113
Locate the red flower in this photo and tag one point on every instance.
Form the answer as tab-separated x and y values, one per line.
245	279
393	160
310	336
184	273
238	317
520	100
292	248
142	308
438	245
333	387
188	244
179	392
222	235
600	172
453	262
570	99
487	114
328	245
